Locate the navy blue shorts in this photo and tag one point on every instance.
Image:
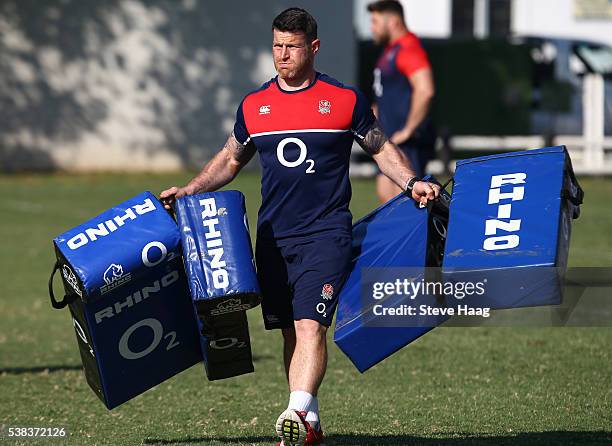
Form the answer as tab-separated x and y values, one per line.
302	281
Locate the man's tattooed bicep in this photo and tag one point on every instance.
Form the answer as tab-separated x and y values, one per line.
240	152
373	140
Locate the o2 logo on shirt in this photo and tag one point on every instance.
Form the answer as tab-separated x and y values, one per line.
280	154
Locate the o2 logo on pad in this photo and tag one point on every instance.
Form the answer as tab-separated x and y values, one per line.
225	343
82	336
154	253
280	154
153	325
503	222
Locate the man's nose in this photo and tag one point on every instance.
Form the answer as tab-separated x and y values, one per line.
285	52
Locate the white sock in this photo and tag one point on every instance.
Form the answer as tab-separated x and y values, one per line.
313	413
300	400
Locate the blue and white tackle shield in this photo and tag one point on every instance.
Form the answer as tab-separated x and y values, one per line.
395	238
126	289
222	278
510	225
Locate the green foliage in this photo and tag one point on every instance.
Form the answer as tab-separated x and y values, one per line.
483	87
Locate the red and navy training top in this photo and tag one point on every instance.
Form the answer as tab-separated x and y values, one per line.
401	59
304	140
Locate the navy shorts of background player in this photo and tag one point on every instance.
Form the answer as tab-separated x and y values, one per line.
304	139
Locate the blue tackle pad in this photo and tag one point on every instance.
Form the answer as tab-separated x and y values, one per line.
222	278
398	234
127	293
510	225
507	230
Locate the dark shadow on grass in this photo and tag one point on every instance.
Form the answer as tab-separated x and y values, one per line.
460	439
206	440
257	358
41	369
467	439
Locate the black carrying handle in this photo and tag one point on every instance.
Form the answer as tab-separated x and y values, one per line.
58	305
566	194
430	203
576	199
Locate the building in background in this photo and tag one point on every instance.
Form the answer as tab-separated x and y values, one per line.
569	19
154	85
140	85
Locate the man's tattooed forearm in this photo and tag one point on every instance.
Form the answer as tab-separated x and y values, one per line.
240	152
373	140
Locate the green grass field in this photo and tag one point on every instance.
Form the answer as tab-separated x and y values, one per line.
454	386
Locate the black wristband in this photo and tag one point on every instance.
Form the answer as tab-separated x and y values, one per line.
410	183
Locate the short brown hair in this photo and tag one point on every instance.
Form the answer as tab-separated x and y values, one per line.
295	20
391	6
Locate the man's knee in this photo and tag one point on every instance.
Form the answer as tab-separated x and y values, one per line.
309	329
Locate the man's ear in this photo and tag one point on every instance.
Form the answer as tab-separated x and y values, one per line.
315	45
394	20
